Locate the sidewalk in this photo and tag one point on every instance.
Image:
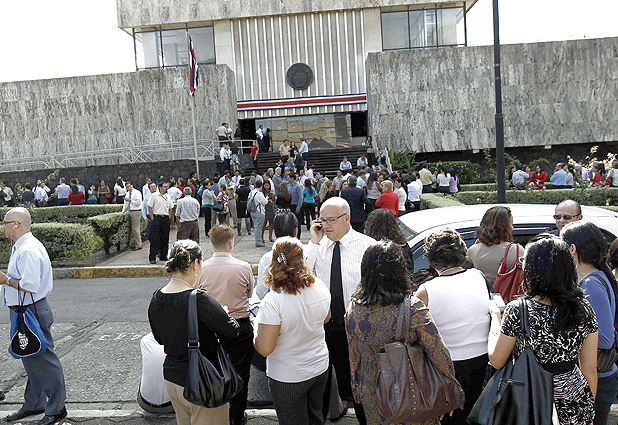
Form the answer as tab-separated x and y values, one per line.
135	263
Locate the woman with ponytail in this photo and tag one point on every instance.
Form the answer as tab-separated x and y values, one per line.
563	328
589	249
290	334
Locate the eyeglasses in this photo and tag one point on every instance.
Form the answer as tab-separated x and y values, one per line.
9	222
331	220
565	216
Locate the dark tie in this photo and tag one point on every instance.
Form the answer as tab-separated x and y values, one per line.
337	309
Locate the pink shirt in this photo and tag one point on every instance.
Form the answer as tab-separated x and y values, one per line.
229	281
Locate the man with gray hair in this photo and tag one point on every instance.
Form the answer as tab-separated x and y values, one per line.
277	180
188	212
28	281
335	253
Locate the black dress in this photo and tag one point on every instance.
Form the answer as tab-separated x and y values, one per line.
241	203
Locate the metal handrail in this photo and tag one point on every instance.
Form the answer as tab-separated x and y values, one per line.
207	149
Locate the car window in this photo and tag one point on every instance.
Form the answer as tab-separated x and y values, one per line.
408	233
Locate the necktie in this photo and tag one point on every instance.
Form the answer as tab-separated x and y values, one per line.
337	309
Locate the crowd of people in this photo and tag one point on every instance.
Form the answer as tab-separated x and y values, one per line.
564	176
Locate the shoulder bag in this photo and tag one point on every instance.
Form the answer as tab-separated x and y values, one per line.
508	282
27	338
520	393
410	388
207	385
606	358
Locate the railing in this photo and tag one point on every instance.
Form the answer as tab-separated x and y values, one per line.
206	149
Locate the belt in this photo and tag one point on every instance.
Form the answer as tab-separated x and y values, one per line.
161	215
27	305
188	221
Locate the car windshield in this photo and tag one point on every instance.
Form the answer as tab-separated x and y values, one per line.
407	232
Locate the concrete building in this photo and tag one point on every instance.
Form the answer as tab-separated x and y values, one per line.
331	71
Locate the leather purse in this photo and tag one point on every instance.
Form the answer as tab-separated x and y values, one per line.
207	385
520	393
410	388
508	282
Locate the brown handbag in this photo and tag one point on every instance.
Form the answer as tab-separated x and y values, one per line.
410	388
508	282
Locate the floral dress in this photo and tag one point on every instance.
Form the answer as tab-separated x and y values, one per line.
369	328
572	395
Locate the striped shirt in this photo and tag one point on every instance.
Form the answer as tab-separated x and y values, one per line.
353	246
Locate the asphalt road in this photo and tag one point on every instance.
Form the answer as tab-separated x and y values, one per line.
98	324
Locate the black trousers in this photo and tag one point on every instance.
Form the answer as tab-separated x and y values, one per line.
309	212
299	217
471	375
240	352
207	219
160	237
337	343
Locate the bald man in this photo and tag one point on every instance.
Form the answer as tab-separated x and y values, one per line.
566	212
29	278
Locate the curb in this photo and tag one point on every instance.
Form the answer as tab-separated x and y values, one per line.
116	271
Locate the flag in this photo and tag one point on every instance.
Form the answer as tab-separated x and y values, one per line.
193	71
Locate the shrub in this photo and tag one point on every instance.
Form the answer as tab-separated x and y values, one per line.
67	214
114	229
62	240
467	171
436	200
594	197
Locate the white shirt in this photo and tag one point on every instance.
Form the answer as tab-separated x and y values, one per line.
259	133
260	289
174	194
236	179
40	194
304	148
309	174
459	305
519	177
160	204
353	246
401	195
260	200
415	189
345	165
152	386
444	179
136	201
360	162
145	190
188	209
29	263
120	190
301	352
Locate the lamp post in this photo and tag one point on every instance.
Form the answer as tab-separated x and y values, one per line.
499	117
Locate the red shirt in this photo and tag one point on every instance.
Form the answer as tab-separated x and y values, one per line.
390	201
254	151
76	198
538	178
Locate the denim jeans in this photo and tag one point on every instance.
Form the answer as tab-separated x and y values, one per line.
258	222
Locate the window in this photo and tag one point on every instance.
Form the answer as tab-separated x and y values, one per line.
423	28
157	49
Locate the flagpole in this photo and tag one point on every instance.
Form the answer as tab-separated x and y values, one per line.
192	96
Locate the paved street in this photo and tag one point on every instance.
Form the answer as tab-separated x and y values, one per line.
98	326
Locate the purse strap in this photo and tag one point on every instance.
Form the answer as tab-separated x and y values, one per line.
523	313
194	340
403	320
506	253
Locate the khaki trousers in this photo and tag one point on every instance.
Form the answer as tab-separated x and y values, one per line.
134	220
192	414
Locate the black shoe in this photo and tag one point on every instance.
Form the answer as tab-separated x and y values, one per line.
241	421
153	261
21	413
52	419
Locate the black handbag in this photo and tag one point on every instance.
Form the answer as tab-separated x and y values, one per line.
520	393
208	385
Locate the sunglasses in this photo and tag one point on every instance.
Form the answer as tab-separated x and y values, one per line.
565	216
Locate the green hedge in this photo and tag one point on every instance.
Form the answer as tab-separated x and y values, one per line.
595	197
67	214
436	200
62	240
114	229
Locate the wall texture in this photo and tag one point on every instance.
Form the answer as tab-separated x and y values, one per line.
142	13
433	100
82	114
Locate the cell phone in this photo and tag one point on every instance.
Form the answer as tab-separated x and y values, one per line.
319	228
499	301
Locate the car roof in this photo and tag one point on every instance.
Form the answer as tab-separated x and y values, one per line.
465	216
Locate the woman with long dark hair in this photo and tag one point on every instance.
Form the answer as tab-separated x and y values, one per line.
381	224
373	189
563	328
371	322
494	237
589	250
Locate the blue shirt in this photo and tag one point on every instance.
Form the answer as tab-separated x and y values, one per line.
309	197
63	191
604	306
29	263
559	178
145	215
296	191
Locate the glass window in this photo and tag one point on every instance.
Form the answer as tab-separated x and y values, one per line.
451	26
395	30
175	50
423	28
148	50
203	43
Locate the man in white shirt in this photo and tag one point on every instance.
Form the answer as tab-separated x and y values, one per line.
519	178
159	207
63	190
259	135
221	132
345	165
304	150
335	253
225	154
188	211
260	213
133	204
175	194
362	162
236	178
146	188
415	188
152	188
40	194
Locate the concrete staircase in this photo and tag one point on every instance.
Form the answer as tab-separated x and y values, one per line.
324	160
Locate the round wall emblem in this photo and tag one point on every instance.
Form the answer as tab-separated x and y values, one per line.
299	76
